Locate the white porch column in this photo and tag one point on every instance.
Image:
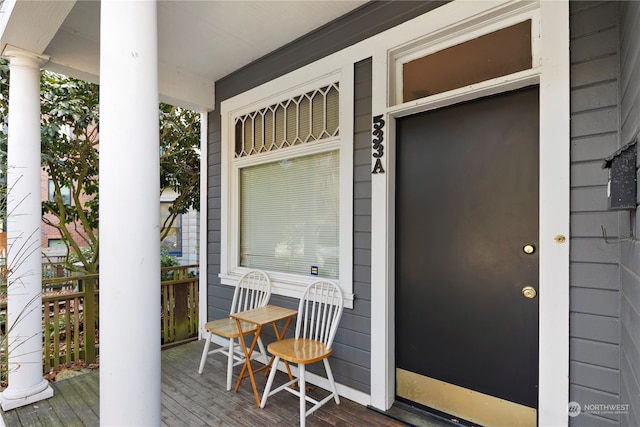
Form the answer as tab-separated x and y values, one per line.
24	291
129	215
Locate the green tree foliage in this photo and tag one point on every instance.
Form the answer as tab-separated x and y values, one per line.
70	155
179	160
4	111
69	138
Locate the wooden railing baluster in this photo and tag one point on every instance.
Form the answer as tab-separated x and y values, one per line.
47	365
76	328
73	309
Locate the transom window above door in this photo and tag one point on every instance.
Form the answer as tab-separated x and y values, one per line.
488	56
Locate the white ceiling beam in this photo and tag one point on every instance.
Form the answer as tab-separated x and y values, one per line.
176	86
78	57
181	88
31	25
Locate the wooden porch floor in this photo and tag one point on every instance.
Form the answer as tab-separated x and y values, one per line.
189	399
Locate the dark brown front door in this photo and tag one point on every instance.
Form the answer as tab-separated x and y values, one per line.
466	248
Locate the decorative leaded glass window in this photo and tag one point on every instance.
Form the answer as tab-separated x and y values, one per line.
312	116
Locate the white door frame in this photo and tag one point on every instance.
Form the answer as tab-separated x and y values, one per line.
451	24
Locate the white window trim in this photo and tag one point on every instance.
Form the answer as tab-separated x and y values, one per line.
291	85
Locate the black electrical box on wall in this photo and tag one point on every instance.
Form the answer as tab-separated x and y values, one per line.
622	177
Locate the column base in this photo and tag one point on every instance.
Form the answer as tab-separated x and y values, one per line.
14	399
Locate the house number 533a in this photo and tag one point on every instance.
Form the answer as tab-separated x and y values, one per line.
378	143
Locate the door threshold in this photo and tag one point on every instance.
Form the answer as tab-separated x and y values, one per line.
417	417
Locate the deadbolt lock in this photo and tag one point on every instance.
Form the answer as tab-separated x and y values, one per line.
529	292
529	249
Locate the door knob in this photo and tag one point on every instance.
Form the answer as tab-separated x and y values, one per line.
529	249
529	292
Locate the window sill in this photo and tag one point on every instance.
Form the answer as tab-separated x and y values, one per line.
288	285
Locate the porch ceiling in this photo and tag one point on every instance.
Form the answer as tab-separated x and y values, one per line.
199	41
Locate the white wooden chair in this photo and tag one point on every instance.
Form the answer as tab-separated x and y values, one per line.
253	290
319	313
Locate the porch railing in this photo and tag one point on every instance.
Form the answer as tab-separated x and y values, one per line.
71	323
179	318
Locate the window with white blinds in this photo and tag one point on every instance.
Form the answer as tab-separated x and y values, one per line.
289	215
287	181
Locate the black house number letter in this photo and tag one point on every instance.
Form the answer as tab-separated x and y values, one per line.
377	143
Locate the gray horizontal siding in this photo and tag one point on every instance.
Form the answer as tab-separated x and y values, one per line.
600	95
630	250
594	17
595	275
589	199
362	227
591	396
596	44
593	250
595	301
594	70
594	122
589	224
630	386
593	327
597	377
595	353
593	147
588	174
595	309
214	308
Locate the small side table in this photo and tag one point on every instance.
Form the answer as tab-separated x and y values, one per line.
261	316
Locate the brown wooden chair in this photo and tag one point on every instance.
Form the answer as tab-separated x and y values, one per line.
319	313
252	291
